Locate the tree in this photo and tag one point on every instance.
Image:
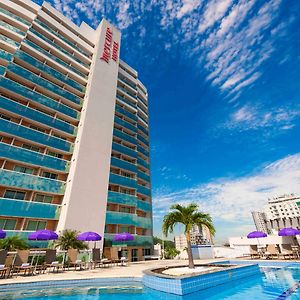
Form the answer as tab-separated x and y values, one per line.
171	252
188	216
11	243
68	240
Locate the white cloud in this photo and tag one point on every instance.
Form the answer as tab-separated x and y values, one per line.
233	199
187	7
214	11
250	117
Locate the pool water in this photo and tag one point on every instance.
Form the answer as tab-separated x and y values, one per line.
273	283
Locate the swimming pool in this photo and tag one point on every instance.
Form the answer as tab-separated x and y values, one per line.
272	283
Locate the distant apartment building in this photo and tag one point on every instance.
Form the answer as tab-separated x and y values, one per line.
280	212
74	140
199	236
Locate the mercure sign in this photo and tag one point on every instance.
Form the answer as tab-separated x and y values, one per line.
111	48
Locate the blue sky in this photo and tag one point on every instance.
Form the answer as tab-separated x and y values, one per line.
223	81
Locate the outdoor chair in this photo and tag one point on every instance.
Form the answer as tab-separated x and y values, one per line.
3	268
295	250
51	262
115	260
254	252
96	257
21	263
73	261
272	252
287	251
106	262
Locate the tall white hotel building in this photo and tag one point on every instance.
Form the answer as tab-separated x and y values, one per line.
74	135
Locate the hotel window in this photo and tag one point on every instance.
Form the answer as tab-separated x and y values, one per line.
23	169
129	175
2	116
32	148
10	194
49	175
43	198
37	128
124	229
58	155
125	209
8	224
36	225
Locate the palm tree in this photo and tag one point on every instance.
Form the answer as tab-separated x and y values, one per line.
68	240
188	216
11	243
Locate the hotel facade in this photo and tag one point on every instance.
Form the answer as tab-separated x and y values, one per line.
74	135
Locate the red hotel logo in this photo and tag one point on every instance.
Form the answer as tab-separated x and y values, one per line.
108	44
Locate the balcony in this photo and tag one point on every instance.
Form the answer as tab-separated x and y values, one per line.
143	163
144	176
124	150
126	101
37	97
5	55
34	135
143	151
144	190
28	209
124	136
143	129
122	180
139	240
31	182
122	164
35	115
143	140
125	124
43	83
33	158
113	217
12	28
9	41
6	12
45	68
129	200
123	112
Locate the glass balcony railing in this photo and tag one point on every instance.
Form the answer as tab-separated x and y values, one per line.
143	140
28	209
32	157
125	124
125	112
8	13
142	100
143	190
121	218
2	70
12	28
126	101
124	150
142	109
52	72
122	164
31	182
124	136
130	200
122	180
5	55
143	129
127	92
58	60
143	176
143	163
27	112
9	40
55	46
43	83
143	151
128	83
140	116
37	97
61	37
34	135
139	240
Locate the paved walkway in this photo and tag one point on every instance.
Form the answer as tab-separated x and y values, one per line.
132	270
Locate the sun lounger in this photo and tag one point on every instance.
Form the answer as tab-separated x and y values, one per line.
73	260
51	261
21	263
271	252
254	252
96	257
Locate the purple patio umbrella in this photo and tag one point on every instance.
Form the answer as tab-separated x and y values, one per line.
89	236
43	235
290	231
256	235
2	234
